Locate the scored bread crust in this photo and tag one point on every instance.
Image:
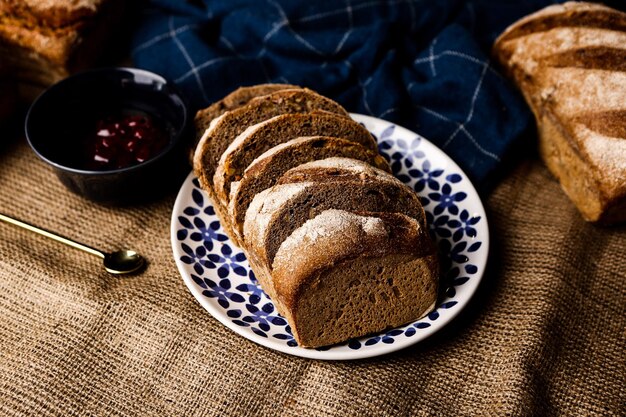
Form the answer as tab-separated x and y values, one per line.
257	139
313	265
264	171
569	61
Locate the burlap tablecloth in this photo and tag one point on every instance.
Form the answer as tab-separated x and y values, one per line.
544	335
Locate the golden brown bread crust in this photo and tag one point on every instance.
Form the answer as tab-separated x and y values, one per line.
43	41
568	61
570	14
50	13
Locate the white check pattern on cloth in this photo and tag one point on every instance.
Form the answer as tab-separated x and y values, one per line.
278	34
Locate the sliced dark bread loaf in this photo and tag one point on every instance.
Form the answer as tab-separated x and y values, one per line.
264	171
342	275
234	100
276	212
259	138
223	130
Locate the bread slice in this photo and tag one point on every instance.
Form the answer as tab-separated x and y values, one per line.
223	130
234	100
276	212
569	61
259	138
335	169
342	275
340	169
264	171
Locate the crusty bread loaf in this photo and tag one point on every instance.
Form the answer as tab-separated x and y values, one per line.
367	260
265	170
261	137
276	212
569	60
52	13
43	41
342	275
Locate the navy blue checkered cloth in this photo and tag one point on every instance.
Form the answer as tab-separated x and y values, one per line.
422	64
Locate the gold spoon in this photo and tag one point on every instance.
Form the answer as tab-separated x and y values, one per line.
119	262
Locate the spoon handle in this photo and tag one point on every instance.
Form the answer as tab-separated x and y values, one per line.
51	235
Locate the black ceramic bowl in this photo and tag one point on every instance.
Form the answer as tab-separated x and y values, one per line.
65	117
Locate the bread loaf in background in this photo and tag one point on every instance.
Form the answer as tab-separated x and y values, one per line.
339	244
569	61
43	41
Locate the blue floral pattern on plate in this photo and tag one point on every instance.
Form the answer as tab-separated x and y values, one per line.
218	275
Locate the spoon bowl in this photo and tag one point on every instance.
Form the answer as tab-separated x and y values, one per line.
123	262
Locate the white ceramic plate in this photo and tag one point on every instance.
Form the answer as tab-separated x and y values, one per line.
219	277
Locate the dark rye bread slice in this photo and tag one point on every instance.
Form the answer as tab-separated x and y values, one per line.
264	171
276	212
223	130
339	169
259	138
234	100
343	275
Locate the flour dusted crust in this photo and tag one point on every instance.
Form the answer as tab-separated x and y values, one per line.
375	245
337	242
569	61
263	207
275	213
339	169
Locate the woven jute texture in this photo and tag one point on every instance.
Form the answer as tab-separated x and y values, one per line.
544	335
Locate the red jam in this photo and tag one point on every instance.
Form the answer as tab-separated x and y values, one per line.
124	140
